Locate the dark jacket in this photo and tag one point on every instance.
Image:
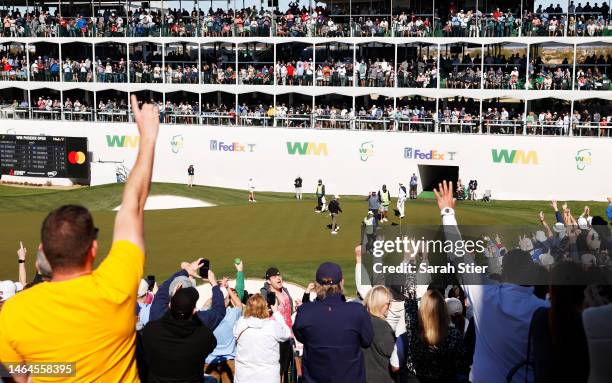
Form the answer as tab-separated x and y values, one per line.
298	182
334	206
333	333
377	356
209	318
175	350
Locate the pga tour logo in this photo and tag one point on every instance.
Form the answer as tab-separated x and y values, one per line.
221	146
434	155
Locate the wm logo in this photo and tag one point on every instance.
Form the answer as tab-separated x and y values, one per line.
514	156
307	148
115	141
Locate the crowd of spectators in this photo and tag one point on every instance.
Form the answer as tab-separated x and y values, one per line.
296	72
405	25
550	76
13	67
545	299
77	71
250	74
213	73
111	71
375	73
461	71
593	72
578	20
334	73
503	72
418	73
318	22
480	24
44	68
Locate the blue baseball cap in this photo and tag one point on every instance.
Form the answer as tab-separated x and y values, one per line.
329	273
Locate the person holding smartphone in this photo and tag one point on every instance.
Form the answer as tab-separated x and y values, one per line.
275	293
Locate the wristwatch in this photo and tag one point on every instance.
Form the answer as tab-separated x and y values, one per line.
447	211
21	260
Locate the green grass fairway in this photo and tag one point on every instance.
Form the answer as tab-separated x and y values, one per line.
277	230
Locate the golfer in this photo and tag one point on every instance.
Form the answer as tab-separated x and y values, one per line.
401	199
251	187
334	210
190	174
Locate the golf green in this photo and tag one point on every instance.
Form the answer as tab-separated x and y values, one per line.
278	230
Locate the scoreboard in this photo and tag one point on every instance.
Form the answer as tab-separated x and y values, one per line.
44	156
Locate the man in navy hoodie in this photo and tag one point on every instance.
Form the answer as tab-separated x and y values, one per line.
161	303
333	332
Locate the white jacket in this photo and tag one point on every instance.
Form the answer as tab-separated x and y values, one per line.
598	330
257	349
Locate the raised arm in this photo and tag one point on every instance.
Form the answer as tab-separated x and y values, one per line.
129	223
240	280
361	275
21	256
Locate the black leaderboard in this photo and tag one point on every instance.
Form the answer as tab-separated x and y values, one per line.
44	156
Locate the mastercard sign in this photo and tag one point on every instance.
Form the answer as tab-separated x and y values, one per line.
76	158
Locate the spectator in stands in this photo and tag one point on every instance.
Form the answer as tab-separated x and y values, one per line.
175	345
257	342
376	357
70	245
560	350
210	318
509	305
220	363
333	331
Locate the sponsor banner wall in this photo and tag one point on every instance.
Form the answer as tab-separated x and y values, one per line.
356	162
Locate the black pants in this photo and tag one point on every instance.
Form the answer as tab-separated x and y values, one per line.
286	353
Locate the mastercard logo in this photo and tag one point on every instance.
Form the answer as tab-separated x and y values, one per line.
76	158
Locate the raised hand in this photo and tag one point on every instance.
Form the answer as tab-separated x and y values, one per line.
554	205
358	254
21	252
239	266
541	216
147	119
192	268
444	195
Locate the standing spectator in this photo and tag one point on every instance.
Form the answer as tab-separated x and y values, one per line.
320	193
385	199
104	351
298	187
220	363
560	350
374	206
333	332
334	210
414	182
257	342
175	345
284	302
377	356
507	305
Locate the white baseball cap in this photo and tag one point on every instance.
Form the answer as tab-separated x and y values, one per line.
454	306
8	289
583	224
143	287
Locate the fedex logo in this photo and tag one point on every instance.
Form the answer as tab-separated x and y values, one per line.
221	146
432	155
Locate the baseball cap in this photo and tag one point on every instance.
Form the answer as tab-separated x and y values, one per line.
143	287
183	302
329	273
8	289
540	236
453	305
272	271
184	281
559	227
583	224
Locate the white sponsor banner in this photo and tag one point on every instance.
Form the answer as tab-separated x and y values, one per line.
352	162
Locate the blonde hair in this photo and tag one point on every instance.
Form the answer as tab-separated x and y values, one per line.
376	299
324	290
433	318
257	307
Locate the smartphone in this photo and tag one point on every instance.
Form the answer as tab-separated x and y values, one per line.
205	266
271	299
151	281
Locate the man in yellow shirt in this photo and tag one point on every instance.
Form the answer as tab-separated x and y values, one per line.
84	319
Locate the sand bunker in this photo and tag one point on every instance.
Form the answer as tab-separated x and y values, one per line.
161	202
